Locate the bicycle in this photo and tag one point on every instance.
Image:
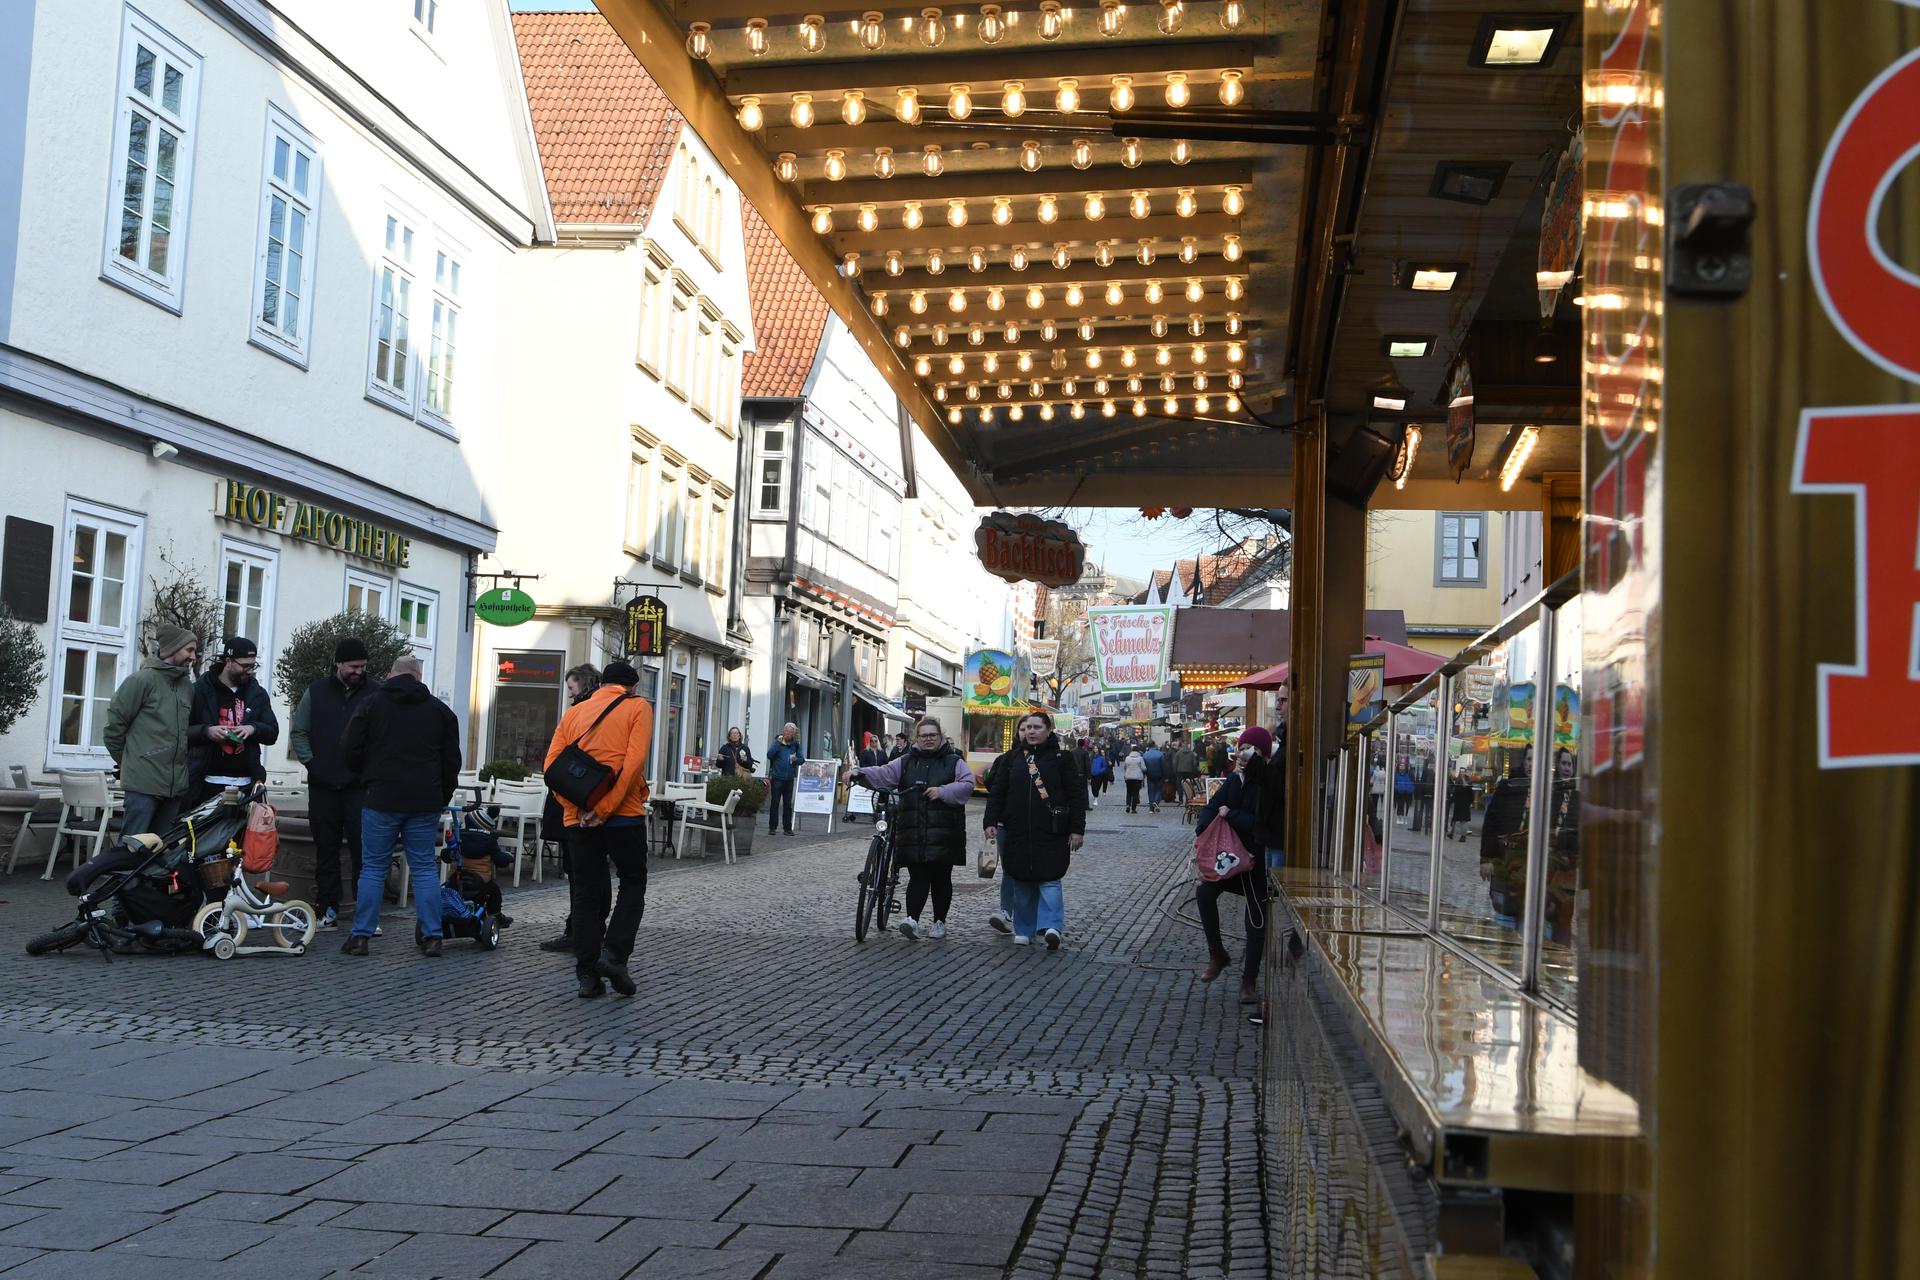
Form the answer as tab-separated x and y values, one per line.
880	877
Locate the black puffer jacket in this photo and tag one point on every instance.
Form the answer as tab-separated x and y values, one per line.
216	707
929	831
1033	851
406	744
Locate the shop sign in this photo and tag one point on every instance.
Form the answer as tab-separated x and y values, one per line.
504	607
1026	548
1045	655
693	764
308	522
1476	685
646	627
813	788
990	679
528	668
1366	688
1130	647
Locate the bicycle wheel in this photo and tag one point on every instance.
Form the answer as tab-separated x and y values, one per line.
60	939
885	887
870	875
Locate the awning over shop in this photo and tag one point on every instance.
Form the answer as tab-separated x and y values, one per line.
1213	648
1404	666
807	676
875	699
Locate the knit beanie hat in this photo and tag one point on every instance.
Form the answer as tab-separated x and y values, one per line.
174	639
620	673
350	649
1259	739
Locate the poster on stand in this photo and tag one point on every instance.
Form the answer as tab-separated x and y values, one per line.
1130	647
813	788
859	799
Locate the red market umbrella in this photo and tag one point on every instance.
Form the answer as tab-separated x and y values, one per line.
1405	665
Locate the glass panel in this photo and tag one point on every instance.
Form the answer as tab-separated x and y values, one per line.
106	671
1379	795
1483	877
523	722
80	592
143	65
73	700
1559	918
282	157
302	164
676	706
170	93
1413	806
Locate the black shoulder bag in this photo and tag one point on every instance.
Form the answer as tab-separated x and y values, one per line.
577	777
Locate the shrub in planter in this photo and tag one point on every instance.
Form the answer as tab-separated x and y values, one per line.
308	654
505	770
753	793
23	667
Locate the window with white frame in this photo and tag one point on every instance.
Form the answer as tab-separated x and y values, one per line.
770	472
369	593
390	378
445	336
679	339
704	352
152	173
711	234
247	578
716	570
639	494
653	320
289	205
726	402
419	615
1459	558
669	516
426	17
696	524
99	614
683	194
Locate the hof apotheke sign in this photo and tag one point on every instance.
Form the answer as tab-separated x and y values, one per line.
309	522
1130	647
1026	548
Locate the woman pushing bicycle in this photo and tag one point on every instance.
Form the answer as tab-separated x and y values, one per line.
929	826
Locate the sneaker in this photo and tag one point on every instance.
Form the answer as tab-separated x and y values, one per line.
354	946
909	928
1021	939
615	972
1052	937
431	948
563	942
1000	922
329	919
938	931
378	931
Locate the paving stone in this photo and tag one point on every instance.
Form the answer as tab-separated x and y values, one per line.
789	1175
984	1249
193	1238
813	1267
953	1181
59	1193
328	1248
643	1234
434	1254
786	1240
672	1263
269	1173
554	1192
861	1148
1024	1122
439	1219
76	1228
715	1102
692	1200
981	1214
570	1260
552	1226
10	1214
815	1207
239	1206
669	1139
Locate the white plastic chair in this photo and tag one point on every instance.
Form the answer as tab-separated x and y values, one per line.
521	804
722	818
81	793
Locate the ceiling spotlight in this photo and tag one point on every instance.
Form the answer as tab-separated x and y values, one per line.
1013	99
801	111
699	42
1178	95
906	106
1049	209
751	117
822	220
959	102
873	30
1393	401
1233	90
1067	96
786	166
1050	20
1433	279
931	161
1517	42
1112	15
1096	206
836	164
1121	99
757	37
869	219
1030	156
992	26
1082	153
911	217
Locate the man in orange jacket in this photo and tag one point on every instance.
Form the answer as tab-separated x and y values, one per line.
613	832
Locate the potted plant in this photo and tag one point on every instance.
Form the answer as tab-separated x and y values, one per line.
753	796
505	770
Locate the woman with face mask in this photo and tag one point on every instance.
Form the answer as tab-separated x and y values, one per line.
1037	807
1254	800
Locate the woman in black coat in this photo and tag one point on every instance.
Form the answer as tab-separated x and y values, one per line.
1037	808
1254	801
735	755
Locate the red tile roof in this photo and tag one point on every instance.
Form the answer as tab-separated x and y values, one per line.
605	131
789	315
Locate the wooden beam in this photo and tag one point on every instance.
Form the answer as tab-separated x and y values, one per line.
1205	227
1067	184
930	71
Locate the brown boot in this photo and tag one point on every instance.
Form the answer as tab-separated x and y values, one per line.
1216	965
1249	994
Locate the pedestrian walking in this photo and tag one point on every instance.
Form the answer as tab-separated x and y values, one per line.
1083	761
783	767
900	746
736	757
147	733
1254	799
336	796
406	744
1402	791
1422	796
230	720
1099	773
929	822
1186	768
1036	815
608	837
1133	771
872	754
1219	762
1155	761
581	682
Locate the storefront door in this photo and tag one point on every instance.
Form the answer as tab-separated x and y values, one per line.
527	697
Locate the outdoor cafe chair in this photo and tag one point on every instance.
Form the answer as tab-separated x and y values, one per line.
86	810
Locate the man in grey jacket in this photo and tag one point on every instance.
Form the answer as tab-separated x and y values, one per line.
147	733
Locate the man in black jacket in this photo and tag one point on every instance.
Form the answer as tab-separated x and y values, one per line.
334	793
406	744
228	722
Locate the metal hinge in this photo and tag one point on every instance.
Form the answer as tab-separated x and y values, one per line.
1710	242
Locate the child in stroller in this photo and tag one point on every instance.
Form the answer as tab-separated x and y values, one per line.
470	897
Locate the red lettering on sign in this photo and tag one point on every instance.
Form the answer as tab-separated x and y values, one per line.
1870	710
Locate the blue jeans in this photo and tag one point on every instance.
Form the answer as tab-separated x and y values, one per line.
145	813
1035	905
379	830
780	804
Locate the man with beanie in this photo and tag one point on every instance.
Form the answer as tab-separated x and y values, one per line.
335	795
615	728
147	732
406	744
230	721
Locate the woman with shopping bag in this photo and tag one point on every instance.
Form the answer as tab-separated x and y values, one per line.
1248	814
1037	811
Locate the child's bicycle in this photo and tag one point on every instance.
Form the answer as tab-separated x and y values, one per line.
249	919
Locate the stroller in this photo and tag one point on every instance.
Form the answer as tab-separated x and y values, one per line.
469	896
142	894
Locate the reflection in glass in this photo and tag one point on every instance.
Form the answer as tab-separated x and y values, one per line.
1559	912
1374	808
1411	833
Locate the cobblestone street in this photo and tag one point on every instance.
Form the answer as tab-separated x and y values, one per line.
777	1101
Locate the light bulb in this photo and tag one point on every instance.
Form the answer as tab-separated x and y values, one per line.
699	42
1163	356
1200	381
1178	95
1172	405
1024	362
1231	404
853	107
1233	203
917	302
1121	99
1195	291
1146	254
977	335
1236	289
1184	204
1154	293
836	164
883	162
910	217
932	163
801	112
1128	358
939	335
1234	323
902	336
1198	354
1094	358
1049	330
1004	391
1140	204
1037	388
1101	386
1069	386
1232	13
869	219
973	391
1002	211
1084	329
906	106
992	25
1079	411
1159	326
1235	353
1049	209
1131	153
822	220
1096	206
852	263
1167	382
953	416
1189	250
940	394
1067	96
1036	298
757	37
1182	151
996	299
1196	325
813	33
936	262
873	30
1139	408
956	213
1115	294
1015	413
1235	378
1112	15
976	259
1050	20
1019	259
1011	333
956	364
1013	99
1046	411
751	117
1200	404
1134	384
1231	249
1107	409
786	166
1075	295
1057	359
1171	12
1082	152
1104	254
880	304
959	102
991	364
1030	156
1232	90
922	366
956	300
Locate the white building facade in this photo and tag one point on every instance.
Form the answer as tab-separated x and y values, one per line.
250	282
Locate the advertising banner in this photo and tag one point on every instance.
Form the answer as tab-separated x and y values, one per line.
1130	647
1366	688
1045	655
989	682
813	789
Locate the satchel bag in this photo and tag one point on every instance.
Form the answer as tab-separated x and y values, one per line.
577	777
261	844
1218	853
1059	818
